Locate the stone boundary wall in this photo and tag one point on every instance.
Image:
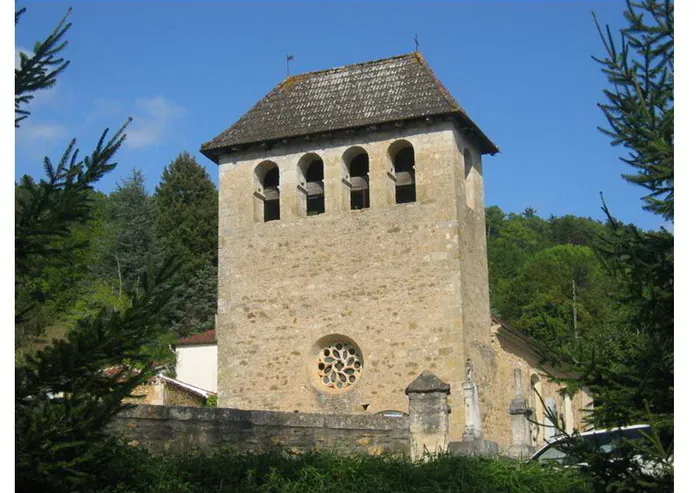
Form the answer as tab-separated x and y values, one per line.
175	429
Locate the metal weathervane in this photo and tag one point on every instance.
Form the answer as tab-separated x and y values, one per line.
289	57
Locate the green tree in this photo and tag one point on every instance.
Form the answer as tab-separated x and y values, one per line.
53	288
561	296
639	105
48	211
187	221
39	71
512	239
134	243
635	383
63	399
194	302
187	211
572	230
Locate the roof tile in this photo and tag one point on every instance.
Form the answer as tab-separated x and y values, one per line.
391	89
208	337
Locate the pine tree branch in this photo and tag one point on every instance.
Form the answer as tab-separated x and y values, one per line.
40	70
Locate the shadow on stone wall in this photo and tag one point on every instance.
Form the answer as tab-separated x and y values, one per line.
174	429
178	429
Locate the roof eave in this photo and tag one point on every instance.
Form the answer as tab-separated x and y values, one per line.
211	154
486	145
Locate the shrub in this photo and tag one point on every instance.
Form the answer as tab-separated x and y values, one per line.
134	470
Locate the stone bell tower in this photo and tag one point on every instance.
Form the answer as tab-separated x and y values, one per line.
352	249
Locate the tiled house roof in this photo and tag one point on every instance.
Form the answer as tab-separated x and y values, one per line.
208	337
381	91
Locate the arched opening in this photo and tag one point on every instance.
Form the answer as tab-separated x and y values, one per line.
356	161
469	178
267	192
536	404
312	199
403	159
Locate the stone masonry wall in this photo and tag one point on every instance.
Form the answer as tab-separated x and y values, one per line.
476	312
167	429
511	355
397	280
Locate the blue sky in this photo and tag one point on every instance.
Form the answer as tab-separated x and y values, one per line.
186	71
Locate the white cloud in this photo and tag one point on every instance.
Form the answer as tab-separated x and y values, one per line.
40	133
153	118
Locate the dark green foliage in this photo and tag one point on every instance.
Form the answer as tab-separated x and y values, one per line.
631	376
634	382
136	471
517	251
56	289
573	230
194	303
40	70
64	399
46	216
131	242
48	212
540	300
187	207
187	221
639	105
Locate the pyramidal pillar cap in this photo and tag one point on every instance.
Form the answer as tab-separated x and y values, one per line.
427	382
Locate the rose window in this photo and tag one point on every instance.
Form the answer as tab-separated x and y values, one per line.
339	365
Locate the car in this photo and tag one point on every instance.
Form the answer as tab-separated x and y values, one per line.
604	441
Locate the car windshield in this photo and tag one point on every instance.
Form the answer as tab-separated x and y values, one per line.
604	442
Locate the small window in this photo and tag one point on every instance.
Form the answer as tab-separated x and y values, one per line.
403	159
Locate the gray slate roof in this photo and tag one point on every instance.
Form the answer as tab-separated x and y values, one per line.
381	91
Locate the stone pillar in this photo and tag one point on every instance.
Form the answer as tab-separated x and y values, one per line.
472	416
428	414
520	426
472	442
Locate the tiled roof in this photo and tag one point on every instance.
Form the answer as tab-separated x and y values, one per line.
387	90
208	337
502	324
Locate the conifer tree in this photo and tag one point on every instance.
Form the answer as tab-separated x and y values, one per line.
134	244
63	398
187	211
639	106
187	221
634	384
47	211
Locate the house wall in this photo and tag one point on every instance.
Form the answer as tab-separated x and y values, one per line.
512	353
175	396
406	283
148	393
197	365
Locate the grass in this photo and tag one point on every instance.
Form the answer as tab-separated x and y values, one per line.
135	470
